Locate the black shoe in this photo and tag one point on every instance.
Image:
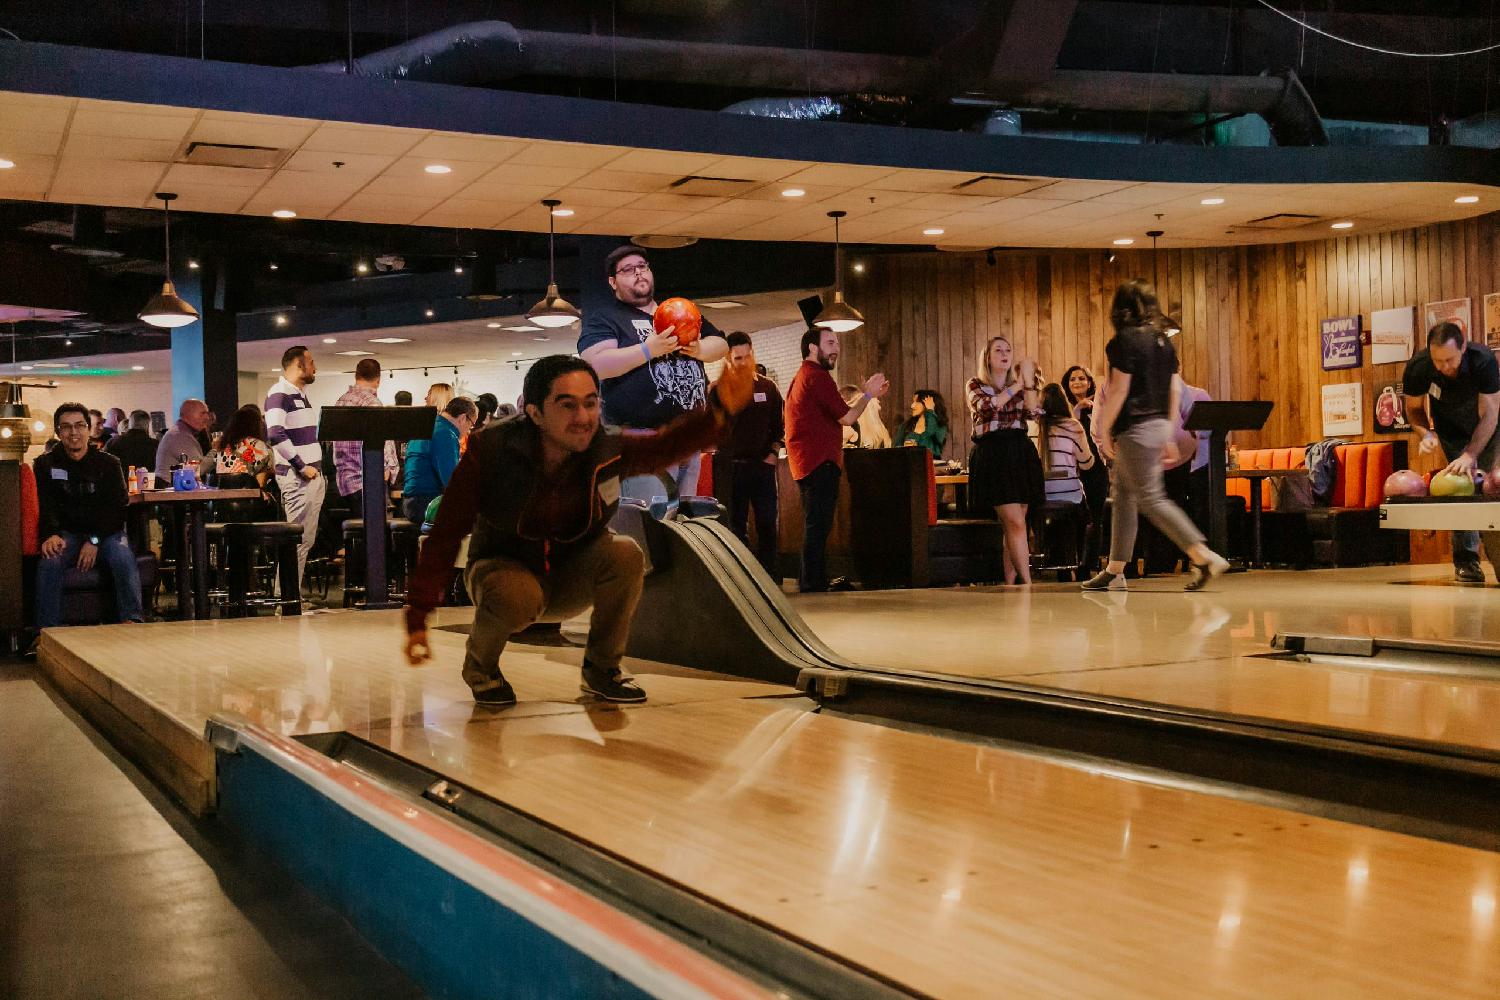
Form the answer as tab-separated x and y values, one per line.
1204	574
1469	572
497	692
611	685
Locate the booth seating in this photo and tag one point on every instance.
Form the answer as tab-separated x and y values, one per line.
89	594
401	557
1347	531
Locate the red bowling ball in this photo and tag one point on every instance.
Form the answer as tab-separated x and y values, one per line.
1405	483
682	316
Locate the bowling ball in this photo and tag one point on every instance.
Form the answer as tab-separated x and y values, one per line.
683	316
1447	484
1405	483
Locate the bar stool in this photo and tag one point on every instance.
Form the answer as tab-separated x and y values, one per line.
401	557
246	541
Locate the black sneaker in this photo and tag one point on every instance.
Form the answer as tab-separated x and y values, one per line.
1468	573
1204	574
497	692
611	685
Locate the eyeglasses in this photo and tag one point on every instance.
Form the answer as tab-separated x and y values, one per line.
73	427
634	269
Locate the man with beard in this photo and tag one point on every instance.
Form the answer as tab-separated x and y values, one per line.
816	416
649	378
292	433
536	495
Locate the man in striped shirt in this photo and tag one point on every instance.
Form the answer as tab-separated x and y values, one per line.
292	432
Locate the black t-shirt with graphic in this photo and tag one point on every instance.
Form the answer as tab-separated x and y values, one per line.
1453	402
653	393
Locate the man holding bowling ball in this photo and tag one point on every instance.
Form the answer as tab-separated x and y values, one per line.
649	376
1452	392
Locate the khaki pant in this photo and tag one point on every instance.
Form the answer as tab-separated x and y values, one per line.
607	575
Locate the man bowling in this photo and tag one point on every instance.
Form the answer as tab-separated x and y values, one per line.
538	492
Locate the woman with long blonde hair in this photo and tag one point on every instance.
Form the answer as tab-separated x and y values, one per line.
1005	472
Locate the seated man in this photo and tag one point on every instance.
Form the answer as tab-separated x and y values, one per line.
82	497
538	495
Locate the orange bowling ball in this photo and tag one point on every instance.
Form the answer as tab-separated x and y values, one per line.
683	316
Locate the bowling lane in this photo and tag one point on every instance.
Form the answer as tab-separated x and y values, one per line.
1201	651
964	871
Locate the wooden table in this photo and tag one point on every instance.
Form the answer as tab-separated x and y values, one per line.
960	484
191	528
1256	476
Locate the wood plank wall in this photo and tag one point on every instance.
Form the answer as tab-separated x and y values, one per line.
1249	314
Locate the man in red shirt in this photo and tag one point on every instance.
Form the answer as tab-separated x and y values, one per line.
816	416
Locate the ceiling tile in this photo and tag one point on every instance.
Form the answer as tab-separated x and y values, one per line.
713	225
29	178
104	147
387	208
365	140
481	149
408	177
845	175
35	112
676	202
463	213
948	202
921	181
618	180
572	197
88	121
315	161
568	154
781	229
14	142
113	182
751	208
252	130
205	176
1148	194
751	168
813	192
306	203
1070	190
660	161
532	174
1081	210
627	221
509	193
196	198
330	188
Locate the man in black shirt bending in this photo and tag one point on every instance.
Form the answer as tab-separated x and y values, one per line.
1452	394
82	496
648	378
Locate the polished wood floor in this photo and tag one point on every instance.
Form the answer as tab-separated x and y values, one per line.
1203	651
954	869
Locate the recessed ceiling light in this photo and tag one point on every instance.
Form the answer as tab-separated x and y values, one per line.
391	340
933	232
137	368
192	265
725	304
428	313
541	340
362	268
354	354
26	368
284	213
1124	241
859	267
438	168
330	340
67	343
793	193
493	326
458	269
50	364
274	266
516	354
1212	201
280	320
1342	225
6	164
1466	199
524	329
562	213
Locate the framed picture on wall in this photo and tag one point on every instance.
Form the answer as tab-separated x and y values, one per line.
1458	311
1343	410
1492	319
1391	334
1340	340
1390	410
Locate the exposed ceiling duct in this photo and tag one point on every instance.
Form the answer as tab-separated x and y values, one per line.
487	52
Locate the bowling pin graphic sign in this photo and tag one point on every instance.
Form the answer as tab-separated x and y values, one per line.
1340	339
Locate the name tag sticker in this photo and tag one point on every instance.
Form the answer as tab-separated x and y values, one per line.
60	474
760	397
609	490
1435	391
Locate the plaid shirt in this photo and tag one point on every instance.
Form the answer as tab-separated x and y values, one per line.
990	413
346	454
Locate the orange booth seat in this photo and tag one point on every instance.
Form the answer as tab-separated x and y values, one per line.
1346	532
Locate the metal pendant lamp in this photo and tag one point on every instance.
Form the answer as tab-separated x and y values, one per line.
553	310
838	316
166	308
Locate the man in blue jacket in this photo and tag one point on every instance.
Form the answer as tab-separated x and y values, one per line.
430	464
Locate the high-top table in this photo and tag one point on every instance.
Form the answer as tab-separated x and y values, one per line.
1256	477
190	525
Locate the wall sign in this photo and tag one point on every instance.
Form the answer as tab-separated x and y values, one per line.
1391	334
1492	319
1340	340
1343	410
1458	311
1390	410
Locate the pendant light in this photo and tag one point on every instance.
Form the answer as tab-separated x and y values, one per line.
167	308
553	310
838	315
1169	326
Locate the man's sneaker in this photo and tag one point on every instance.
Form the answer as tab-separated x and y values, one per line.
1104	580
611	685
1469	572
1203	574
497	692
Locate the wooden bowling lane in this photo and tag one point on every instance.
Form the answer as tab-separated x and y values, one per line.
963	871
